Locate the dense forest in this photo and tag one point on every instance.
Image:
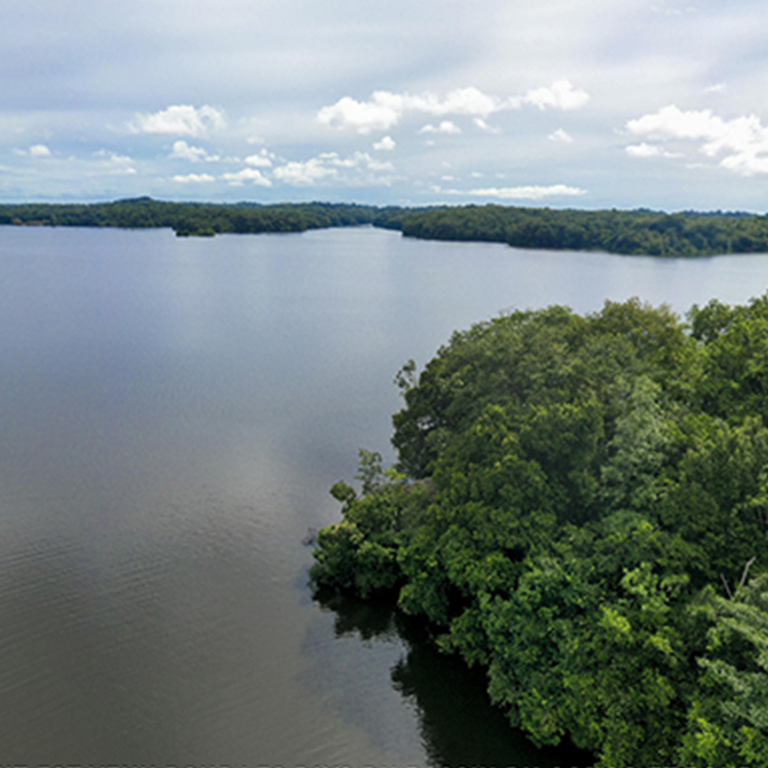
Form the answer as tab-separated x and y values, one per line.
580	507
623	232
201	219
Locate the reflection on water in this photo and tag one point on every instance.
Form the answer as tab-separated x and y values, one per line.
173	412
457	723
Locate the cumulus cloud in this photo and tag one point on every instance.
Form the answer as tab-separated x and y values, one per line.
741	143
194	178
247	174
445	127
36	150
387	144
262	160
560	136
39	150
385	109
648	150
304	174
463	101
643	150
116	164
357	169
560	95
183	151
180	120
379	114
524	192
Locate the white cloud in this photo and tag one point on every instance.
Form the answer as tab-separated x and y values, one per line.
561	137
116	164
304	174
378	114
746	163
387	144
357	169
674	123
649	150
180	120
357	160
643	150
445	127
247	174
39	150
262	160
463	101
36	150
483	126
523	193
741	142
183	151
385	109
560	95
194	178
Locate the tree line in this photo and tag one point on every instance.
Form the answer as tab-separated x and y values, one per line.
200	219
580	507
622	232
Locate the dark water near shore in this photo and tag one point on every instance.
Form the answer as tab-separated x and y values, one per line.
172	415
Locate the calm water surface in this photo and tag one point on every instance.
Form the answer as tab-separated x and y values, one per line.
173	414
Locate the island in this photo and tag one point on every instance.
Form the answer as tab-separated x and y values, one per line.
638	232
580	508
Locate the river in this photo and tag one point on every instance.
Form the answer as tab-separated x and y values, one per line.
174	412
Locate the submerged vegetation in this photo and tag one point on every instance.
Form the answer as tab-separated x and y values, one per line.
580	508
623	232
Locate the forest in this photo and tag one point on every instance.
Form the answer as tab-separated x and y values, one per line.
579	507
622	232
200	219
639	232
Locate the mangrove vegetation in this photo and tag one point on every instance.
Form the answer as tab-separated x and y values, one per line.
580	508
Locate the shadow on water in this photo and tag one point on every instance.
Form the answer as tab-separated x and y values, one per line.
458	724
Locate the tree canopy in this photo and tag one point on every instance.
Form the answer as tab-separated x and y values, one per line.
580	507
623	232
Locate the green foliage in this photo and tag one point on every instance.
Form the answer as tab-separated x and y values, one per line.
587	493
624	232
198	219
728	720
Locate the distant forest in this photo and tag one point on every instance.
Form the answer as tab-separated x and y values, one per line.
639	232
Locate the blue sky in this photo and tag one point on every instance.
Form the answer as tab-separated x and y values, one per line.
596	104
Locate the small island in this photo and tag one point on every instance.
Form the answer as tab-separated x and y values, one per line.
580	507
638	232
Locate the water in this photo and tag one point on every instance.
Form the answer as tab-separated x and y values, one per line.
173	414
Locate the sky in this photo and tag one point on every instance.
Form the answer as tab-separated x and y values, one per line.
596	104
